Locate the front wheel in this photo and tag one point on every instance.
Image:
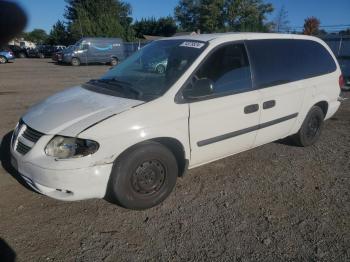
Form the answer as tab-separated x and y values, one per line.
75	61
114	61
160	69
3	60
311	128
143	176
41	55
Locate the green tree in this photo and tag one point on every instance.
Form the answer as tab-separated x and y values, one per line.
38	36
223	15
247	15
104	18
187	13
164	26
211	17
58	34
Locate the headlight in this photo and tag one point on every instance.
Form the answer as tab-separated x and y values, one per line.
70	147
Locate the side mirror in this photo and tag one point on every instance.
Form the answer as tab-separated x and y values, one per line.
202	87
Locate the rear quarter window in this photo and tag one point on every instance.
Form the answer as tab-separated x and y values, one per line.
279	61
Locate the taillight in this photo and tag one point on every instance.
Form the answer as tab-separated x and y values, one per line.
341	81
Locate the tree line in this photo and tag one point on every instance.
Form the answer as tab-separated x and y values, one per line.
112	18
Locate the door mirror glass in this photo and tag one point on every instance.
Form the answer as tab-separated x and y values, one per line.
201	88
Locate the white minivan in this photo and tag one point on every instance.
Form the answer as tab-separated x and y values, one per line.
130	134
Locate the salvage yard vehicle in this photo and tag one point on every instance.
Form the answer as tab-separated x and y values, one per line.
6	55
44	51
128	135
57	56
340	45
18	51
95	50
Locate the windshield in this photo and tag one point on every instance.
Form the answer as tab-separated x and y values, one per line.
151	71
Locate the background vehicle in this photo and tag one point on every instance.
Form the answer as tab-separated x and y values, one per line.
340	46
19	52
57	56
43	51
157	66
95	50
6	55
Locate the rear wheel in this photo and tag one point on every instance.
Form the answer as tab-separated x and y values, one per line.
75	61
311	128
41	55
143	176
22	55
3	60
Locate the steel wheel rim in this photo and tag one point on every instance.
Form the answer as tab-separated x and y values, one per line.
2	60
149	177
313	127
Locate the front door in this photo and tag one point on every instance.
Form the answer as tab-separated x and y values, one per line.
223	122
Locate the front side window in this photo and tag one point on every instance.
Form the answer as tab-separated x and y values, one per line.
227	69
151	71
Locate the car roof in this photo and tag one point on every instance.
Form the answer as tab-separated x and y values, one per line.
238	36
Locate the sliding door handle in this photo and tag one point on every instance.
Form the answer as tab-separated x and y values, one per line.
251	109
269	104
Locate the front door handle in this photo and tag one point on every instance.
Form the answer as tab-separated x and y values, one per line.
269	104
251	109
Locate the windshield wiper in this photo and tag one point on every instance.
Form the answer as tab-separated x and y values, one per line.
122	84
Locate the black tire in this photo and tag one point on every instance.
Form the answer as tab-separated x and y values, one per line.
160	69
143	176
3	60
75	61
22	55
311	128
114	61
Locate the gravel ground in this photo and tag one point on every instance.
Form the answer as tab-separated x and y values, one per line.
273	203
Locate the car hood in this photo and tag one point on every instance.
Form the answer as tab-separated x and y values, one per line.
73	110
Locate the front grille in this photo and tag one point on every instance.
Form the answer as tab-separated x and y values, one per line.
32	135
22	148
25	138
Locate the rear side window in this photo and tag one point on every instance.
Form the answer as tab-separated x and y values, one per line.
228	67
279	61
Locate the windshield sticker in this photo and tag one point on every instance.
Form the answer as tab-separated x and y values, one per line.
192	44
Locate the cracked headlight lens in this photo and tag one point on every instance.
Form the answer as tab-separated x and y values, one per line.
70	147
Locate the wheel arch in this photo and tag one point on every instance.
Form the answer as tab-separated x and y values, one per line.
173	144
323	105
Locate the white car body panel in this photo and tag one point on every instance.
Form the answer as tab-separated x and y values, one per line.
119	123
213	118
282	95
72	110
